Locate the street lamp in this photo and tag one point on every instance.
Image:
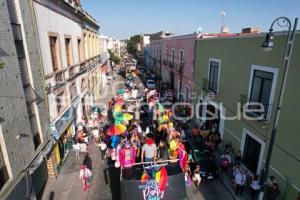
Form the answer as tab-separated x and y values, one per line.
268	45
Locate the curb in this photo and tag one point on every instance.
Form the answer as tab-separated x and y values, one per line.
228	189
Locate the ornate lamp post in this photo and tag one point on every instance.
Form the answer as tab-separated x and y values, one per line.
267	46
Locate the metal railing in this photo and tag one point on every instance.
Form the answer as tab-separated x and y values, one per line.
253	107
59	76
209	86
71	72
205	84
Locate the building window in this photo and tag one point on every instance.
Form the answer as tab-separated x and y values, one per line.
252	150
79	50
54	52
181	56
83	84
214	75
173	56
59	102
71	71
200	110
68	51
36	140
20	49
3	171
261	88
187	93
73	90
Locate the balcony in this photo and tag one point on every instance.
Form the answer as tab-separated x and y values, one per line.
252	109
171	64
71	72
59	76
82	67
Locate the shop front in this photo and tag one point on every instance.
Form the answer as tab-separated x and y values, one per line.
63	131
63	146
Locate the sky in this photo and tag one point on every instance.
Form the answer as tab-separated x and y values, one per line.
124	18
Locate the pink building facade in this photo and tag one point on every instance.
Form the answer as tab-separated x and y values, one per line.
178	59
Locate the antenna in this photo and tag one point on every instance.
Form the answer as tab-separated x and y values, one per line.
222	14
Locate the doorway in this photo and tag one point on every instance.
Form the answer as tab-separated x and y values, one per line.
213	115
252	151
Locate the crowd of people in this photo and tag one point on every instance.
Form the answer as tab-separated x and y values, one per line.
127	138
150	140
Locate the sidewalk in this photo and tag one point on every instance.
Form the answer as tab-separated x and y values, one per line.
68	186
226	180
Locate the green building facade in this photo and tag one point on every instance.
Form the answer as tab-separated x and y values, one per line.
233	70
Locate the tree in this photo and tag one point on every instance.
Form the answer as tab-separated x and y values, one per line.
113	57
132	45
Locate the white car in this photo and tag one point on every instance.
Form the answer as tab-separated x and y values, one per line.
150	84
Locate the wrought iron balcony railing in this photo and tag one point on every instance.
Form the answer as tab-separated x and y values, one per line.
256	109
59	76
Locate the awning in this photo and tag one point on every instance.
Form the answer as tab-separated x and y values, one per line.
59	126
36	162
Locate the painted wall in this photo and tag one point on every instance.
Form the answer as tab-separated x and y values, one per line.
237	55
50	21
187	44
12	108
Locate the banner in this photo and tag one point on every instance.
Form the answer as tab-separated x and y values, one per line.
135	190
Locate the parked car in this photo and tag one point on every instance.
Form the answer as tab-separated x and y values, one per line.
202	157
150	84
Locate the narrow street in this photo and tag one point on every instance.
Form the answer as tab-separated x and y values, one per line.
106	181
139	100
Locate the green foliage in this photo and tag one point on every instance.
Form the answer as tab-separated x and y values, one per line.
132	44
1	65
116	59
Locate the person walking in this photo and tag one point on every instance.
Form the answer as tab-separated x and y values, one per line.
239	182
255	187
76	148
85	176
